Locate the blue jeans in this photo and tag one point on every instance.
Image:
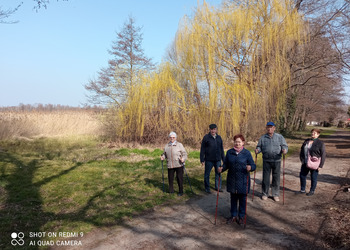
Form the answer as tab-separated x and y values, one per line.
275	168
303	174
208	167
242	198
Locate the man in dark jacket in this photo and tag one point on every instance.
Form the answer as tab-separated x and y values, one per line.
211	155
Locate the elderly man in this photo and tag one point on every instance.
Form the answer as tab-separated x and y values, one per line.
211	155
272	145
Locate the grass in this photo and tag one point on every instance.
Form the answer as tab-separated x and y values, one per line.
77	184
306	133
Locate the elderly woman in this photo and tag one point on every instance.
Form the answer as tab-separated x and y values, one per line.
239	162
176	156
312	157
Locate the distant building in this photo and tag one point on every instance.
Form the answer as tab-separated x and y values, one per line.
313	123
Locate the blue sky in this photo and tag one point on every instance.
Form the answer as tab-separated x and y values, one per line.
49	55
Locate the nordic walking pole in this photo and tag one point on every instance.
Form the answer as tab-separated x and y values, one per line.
284	162
256	160
187	177
246	201
217	199
163	175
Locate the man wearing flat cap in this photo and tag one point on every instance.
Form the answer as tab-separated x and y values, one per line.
272	145
211	155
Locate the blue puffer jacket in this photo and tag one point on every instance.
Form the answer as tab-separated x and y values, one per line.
237	170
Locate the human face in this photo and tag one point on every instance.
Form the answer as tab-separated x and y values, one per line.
213	131
270	130
238	143
314	135
172	139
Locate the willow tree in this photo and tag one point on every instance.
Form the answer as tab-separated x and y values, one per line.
235	59
228	66
154	107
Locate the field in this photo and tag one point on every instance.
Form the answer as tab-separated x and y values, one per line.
77	185
58	176
32	124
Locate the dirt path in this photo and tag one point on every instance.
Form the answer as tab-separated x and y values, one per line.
301	223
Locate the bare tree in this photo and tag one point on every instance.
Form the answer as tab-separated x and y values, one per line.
113	83
7	13
42	4
318	67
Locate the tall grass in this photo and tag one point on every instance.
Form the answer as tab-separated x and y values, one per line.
30	124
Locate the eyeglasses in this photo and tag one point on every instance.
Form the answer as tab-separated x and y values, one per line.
172	137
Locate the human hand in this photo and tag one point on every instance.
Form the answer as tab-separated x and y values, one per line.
202	164
219	169
249	168
256	151
182	159
284	151
162	157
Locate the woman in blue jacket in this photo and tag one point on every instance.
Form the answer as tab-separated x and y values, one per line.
239	162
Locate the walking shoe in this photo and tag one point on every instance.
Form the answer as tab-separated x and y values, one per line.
302	191
208	191
231	220
179	194
310	193
219	190
276	198
264	197
240	221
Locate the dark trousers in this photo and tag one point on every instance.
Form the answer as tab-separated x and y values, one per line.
275	168
209	165
303	174
179	178
242	199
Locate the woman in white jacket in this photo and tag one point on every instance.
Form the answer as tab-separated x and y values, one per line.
176	156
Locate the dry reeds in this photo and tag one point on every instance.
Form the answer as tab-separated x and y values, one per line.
28	124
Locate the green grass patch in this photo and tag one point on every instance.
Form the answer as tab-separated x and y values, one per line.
307	132
77	185
62	185
194	154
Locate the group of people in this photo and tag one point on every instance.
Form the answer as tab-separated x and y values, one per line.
239	162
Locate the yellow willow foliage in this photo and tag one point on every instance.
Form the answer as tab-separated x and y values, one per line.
230	68
244	46
156	103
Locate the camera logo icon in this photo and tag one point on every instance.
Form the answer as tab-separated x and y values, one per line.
17	239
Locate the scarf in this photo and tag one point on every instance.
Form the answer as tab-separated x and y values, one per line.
238	150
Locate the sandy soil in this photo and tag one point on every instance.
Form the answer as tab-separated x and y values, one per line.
317	222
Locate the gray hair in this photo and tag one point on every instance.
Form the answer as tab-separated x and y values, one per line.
172	133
